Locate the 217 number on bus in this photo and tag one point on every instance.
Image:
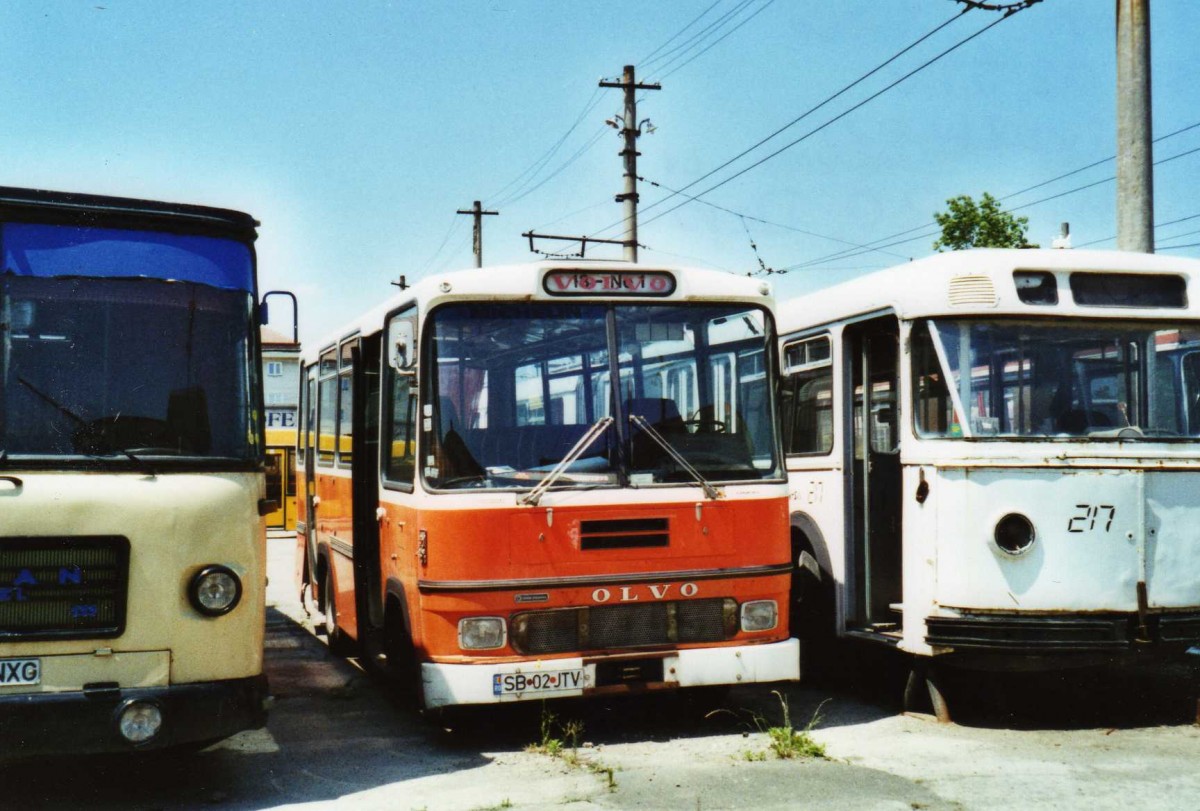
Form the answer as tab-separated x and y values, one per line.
1087	516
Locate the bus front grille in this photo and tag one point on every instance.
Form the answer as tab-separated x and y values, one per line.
610	627
63	587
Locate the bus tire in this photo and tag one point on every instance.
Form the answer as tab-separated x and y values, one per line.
339	644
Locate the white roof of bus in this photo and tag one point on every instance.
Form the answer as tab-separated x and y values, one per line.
523	282
978	281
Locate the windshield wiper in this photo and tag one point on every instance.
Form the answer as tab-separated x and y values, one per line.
590	436
80	421
641	422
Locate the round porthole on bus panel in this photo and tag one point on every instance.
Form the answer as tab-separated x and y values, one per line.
215	590
1014	534
139	721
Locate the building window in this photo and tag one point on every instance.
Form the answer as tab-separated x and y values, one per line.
274	368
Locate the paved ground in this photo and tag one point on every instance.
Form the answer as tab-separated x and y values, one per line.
339	738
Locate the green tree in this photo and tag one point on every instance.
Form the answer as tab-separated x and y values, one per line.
967	224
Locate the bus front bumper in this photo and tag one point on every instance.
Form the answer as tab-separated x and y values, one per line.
1063	633
452	684
87	722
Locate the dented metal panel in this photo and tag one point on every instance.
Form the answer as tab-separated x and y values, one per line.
1085	557
1173	538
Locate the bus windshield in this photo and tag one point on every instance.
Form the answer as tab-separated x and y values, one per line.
516	386
1097	380
121	367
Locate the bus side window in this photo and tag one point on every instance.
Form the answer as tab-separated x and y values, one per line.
1189	368
400	409
327	408
810	424
808	397
345	420
935	411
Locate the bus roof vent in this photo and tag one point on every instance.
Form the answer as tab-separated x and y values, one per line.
972	291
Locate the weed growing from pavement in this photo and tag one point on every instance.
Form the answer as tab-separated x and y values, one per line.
784	740
788	742
561	740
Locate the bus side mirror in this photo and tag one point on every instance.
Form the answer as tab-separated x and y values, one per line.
402	343
264	313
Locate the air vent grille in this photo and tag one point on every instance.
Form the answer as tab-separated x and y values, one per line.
625	533
972	291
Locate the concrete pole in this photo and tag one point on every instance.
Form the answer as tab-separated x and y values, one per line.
630	132
630	154
1135	152
477	212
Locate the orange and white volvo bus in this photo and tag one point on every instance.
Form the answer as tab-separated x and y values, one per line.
551	480
994	460
132	544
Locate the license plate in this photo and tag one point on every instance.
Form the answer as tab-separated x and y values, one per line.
537	682
20	672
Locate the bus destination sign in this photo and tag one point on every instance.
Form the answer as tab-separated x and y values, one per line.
608	283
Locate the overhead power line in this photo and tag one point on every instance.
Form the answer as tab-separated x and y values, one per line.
527	176
682	48
835	119
814	109
891	239
648	58
743	216
711	45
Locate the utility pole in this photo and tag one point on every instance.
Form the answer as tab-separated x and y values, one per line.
477	212
1135	152
631	129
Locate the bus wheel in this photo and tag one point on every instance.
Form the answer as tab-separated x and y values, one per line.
335	637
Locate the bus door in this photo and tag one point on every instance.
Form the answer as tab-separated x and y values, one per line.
873	603
310	475
368	593
277	471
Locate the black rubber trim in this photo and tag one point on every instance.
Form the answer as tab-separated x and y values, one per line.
70	208
1064	632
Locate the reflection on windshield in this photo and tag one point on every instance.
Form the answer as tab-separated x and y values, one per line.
125	367
517	385
1101	380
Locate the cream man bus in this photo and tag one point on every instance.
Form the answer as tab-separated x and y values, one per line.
132	547
993	457
551	480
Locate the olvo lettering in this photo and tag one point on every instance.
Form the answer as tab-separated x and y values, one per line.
632	594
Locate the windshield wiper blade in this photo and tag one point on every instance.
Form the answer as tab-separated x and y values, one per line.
590	436
641	422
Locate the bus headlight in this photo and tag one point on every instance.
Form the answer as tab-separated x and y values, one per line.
759	615
481	633
139	721
215	590
1014	534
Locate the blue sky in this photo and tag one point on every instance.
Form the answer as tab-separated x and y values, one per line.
354	131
